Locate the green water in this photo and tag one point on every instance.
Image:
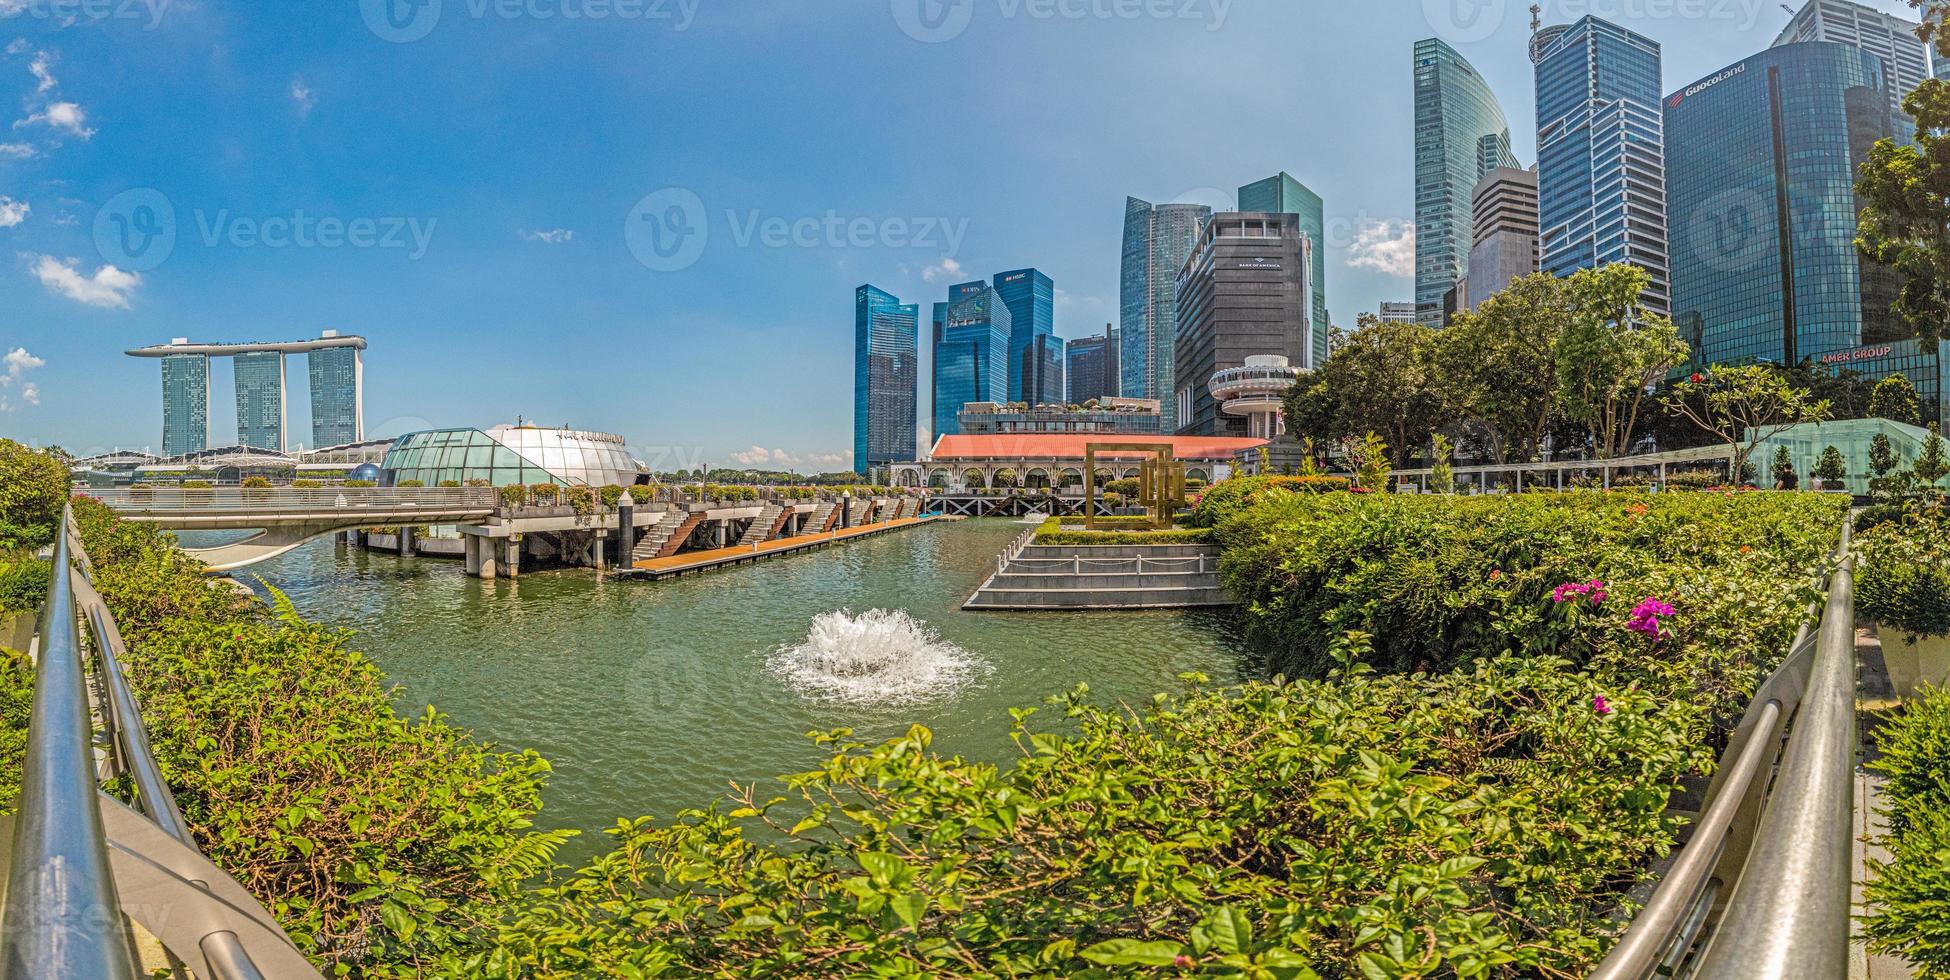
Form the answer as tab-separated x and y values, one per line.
652	697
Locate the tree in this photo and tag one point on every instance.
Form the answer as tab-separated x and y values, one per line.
1500	363
1905	193
1381	379
1744	406
33	490
1612	353
1931	466
1895	399
1442	475
1886	483
1831	469
1882	456
1369	455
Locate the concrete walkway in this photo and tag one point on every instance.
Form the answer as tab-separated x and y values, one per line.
1874	698
698	561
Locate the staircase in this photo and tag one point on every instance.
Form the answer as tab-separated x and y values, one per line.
859	512
823	518
661	540
763	527
1104	577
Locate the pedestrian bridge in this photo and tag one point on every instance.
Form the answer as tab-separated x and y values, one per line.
287	517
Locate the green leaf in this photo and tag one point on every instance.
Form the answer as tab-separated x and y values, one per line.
398	921
1227	930
909	908
1134	952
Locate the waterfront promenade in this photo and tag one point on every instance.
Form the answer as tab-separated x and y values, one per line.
692	562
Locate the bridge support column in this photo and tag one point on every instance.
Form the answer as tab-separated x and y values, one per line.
490	557
405	542
470	546
513	564
718	533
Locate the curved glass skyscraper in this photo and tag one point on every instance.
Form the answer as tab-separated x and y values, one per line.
1158	238
886	378
1460	135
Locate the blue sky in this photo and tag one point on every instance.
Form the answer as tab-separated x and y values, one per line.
478	161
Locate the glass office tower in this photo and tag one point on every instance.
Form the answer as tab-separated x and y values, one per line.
1091	369
1761	173
1031	298
971	353
886	379
1460	134
1281	194
1158	238
1905	58
338	394
260	399
186	404
1601	154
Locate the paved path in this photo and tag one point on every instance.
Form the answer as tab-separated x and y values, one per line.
1873	699
694	561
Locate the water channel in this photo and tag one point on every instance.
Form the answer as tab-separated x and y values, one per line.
653	697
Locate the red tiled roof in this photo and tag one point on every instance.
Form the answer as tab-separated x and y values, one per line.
1011	445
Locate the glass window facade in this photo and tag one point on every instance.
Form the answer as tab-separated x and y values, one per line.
1091	371
1282	194
1455	113
886	378
1601	154
1031	298
1890	38
507	455
971	353
260	399
1158	238
186	404
337	396
1762	167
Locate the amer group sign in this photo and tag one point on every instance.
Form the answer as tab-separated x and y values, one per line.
1859	355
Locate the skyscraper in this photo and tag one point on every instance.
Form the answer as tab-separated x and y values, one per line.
1031	298
1504	212
1392	312
971	353
1281	194
1042	371
1893	39
260	399
1762	170
886	379
1601	153
1245	292
1460	134
1092	367
186	402
1158	238
338	395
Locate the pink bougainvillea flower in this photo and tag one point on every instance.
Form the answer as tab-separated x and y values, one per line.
1600	705
1646	617
1593	590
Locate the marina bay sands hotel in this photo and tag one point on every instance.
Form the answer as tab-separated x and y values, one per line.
338	391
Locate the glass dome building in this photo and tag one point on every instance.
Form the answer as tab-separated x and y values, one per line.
511	454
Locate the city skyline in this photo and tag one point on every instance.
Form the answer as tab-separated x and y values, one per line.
544	261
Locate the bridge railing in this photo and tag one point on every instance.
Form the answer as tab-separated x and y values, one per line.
294	499
1762	888
82	861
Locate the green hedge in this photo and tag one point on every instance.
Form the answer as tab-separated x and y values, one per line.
1903	580
1223	501
1908	896
1052	533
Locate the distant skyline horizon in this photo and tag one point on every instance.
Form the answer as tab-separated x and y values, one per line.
653	225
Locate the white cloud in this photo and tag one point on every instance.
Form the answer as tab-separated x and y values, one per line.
302	94
61	115
18	151
42	68
109	287
831	459
945	269
14	383
19	45
1387	247
760	456
12	212
553	236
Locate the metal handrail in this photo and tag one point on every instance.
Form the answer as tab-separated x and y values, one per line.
276	499
1709	890
42	941
62	919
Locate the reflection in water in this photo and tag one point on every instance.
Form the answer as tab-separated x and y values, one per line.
653	697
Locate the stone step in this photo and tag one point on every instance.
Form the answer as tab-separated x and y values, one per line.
1139	598
1120	582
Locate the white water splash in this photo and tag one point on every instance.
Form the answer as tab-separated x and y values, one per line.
876	657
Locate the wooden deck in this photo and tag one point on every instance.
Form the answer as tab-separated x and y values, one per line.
703	561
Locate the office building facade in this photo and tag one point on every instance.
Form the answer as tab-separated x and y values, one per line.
1031	298
1761	172
1601	154
1905	58
1396	312
1281	193
338	394
971	353
886	379
1504	226
186	403
1041	367
260	399
1245	291
1090	367
1114	416
1460	133
1158	238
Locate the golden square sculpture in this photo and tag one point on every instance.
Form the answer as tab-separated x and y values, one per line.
1161	480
